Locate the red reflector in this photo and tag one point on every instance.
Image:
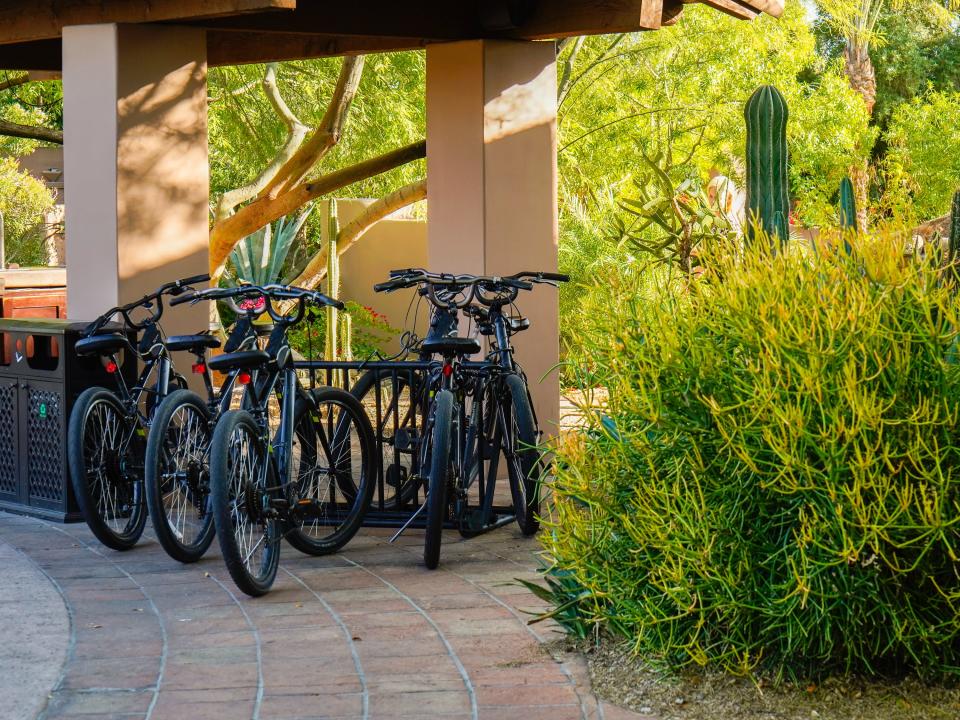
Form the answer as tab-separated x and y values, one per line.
243	378
111	367
199	368
447	370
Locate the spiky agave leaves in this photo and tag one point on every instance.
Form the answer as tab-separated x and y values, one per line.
768	192
260	257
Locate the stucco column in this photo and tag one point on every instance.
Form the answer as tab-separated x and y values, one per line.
135	165
492	174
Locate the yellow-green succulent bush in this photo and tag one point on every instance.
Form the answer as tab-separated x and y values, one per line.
771	483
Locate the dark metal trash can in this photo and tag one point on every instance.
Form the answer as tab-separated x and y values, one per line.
40	379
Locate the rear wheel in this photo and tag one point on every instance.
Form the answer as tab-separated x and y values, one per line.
242	484
103	452
523	457
177	481
439	477
333	450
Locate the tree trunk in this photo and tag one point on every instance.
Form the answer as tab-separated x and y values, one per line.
863	80
31	132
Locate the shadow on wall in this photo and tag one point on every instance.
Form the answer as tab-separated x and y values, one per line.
395	242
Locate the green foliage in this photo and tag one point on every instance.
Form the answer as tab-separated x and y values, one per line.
370	332
768	192
35	103
678	214
954	240
261	258
23	200
922	165
848	205
772	482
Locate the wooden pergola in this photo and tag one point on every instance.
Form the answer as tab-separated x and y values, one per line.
135	125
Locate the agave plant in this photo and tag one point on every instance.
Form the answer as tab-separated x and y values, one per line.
260	258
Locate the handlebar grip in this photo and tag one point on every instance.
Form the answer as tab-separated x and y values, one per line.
180	299
320	299
395	284
405	271
556	277
205	277
518	284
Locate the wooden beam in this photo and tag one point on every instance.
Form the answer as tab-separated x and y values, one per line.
732	7
239	48
27	20
38	55
564	18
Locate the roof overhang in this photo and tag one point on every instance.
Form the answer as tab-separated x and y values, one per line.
245	31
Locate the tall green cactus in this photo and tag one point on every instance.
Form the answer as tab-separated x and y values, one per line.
848	205
768	193
954	245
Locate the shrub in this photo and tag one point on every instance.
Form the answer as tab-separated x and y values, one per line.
772	484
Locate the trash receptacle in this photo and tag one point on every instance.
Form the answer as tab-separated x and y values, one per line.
40	379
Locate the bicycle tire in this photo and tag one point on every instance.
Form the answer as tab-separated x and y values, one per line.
318	477
439	477
523	459
110	500
241	527
177	477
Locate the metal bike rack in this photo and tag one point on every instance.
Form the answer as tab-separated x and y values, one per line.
40	378
387	511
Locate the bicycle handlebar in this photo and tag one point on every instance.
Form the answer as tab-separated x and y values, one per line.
268	292
504	288
174	288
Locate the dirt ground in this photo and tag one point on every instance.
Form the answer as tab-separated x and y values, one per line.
624	679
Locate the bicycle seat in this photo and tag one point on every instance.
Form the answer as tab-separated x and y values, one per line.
238	360
107	344
518	323
455	345
194	343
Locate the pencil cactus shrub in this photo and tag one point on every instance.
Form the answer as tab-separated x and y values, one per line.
770	483
768	191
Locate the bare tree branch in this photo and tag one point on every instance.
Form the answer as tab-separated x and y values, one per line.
566	72
296	133
325	136
316	268
265	209
31	132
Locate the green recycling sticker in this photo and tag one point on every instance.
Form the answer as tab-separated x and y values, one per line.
43	411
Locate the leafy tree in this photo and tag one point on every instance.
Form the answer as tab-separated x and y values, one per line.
23	200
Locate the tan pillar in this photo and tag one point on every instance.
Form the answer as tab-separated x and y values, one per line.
135	165
492	173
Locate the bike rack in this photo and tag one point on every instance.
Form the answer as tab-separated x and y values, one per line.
400	509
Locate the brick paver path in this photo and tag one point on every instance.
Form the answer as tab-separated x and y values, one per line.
367	633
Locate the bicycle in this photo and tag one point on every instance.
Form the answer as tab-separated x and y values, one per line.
106	431
457	443
177	480
268	485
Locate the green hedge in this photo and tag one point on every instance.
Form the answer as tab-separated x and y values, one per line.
773	482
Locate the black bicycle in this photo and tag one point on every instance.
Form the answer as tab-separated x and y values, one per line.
177	481
279	474
107	428
479	410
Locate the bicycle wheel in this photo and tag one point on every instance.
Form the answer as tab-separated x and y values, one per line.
102	452
439	477
242	484
395	431
523	458
333	448
177	478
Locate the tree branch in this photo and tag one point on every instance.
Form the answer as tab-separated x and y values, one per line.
316	268
13	82
296	133
31	132
325	136
265	209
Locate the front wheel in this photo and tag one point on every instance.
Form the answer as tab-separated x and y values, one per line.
177	479
242	485
439	477
332	469
523	458
102	454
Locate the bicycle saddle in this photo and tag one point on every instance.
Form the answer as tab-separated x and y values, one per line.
238	360
107	344
518	323
455	345
195	343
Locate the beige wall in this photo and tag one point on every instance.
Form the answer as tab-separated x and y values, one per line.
135	165
492	169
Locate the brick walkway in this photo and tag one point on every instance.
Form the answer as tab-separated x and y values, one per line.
368	633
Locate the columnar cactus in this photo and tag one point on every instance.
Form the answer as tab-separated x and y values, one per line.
848	205
768	194
954	245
